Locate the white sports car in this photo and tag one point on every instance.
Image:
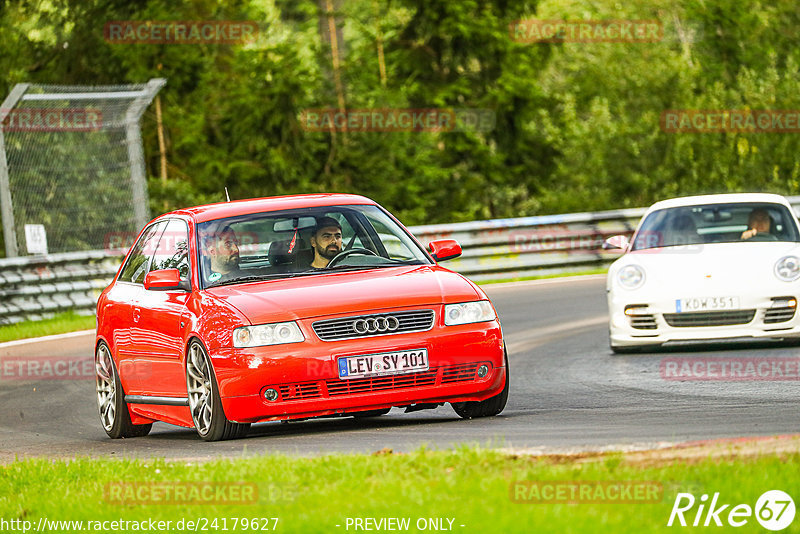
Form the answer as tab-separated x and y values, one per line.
706	267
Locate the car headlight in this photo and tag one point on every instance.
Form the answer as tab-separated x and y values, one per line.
788	268
468	312
631	276
267	334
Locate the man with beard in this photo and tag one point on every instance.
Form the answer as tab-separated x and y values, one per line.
222	250
326	241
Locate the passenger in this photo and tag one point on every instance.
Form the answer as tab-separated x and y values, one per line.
326	241
684	231
222	251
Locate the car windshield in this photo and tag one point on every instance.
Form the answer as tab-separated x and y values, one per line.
741	222
263	246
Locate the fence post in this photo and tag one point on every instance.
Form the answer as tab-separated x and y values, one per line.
6	208
135	153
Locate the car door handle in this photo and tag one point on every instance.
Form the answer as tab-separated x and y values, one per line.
137	313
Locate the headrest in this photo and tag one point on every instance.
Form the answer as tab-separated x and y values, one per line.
279	253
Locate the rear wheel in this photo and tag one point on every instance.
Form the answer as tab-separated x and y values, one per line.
485	408
114	414
205	402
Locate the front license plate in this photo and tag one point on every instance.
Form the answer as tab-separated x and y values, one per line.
386	363
706	304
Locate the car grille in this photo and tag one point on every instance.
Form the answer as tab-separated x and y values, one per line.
717	318
381	324
337	388
354	386
309	390
780	313
643	322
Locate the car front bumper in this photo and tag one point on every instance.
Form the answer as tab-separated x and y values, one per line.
655	320
306	377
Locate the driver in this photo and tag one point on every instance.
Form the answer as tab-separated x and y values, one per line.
759	226
326	241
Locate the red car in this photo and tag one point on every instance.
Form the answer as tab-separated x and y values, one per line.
288	308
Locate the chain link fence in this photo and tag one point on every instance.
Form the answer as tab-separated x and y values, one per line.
72	165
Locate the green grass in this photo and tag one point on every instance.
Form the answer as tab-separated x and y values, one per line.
59	324
469	485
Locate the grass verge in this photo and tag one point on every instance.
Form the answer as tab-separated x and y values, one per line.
469	486
59	324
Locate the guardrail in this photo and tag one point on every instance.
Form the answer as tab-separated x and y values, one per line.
35	287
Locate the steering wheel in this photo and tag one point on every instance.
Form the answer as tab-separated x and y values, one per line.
345	253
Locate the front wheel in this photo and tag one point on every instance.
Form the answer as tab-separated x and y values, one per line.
114	414
485	408
205	402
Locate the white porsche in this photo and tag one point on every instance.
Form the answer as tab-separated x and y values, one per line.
706	267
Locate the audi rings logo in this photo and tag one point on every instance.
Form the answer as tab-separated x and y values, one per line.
376	325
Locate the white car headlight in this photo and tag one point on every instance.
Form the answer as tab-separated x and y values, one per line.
267	334
788	268
468	312
631	276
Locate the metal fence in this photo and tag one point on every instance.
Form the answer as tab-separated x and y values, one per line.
71	165
33	287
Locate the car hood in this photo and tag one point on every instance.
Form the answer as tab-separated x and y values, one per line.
710	266
307	297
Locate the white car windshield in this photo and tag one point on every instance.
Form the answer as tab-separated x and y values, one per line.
740	222
281	244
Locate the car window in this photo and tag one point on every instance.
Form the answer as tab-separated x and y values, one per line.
279	243
172	251
714	223
138	262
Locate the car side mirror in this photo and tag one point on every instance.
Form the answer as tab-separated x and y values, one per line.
444	249
165	280
616	242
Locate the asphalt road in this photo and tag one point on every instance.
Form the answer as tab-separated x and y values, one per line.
567	392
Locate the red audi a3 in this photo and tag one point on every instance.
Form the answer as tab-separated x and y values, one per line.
288	308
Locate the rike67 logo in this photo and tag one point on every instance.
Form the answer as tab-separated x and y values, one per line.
774	510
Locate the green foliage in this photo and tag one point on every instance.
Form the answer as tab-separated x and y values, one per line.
576	124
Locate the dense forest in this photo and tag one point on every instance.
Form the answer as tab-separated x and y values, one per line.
575	126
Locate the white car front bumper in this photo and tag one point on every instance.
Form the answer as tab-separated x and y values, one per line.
655	320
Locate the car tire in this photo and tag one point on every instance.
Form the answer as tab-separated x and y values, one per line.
485	408
205	403
114	415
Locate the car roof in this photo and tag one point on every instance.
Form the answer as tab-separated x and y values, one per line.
719	199
221	210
